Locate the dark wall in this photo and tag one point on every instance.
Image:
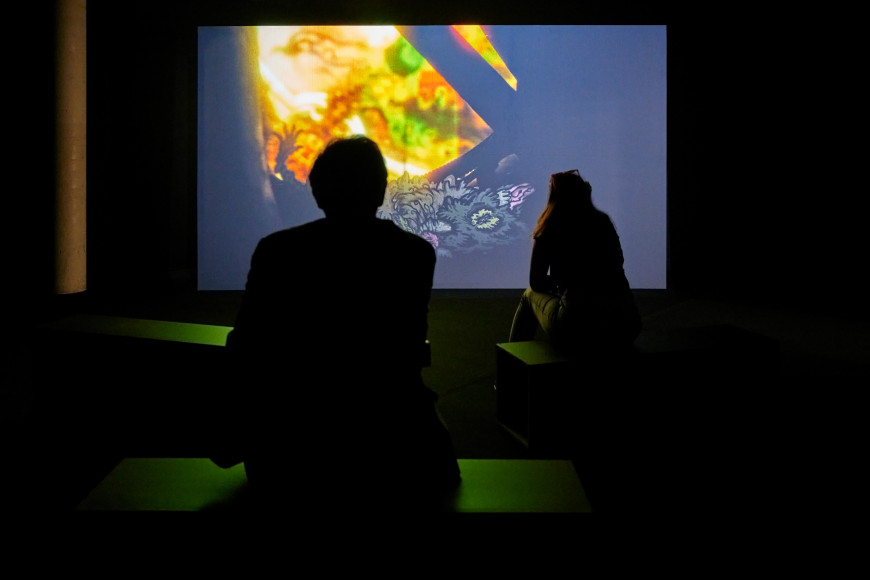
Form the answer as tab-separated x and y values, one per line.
141	147
29	162
753	189
765	198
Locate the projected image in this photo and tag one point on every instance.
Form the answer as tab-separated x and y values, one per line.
334	81
471	120
322	82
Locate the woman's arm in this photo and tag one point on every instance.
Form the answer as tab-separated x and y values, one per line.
539	269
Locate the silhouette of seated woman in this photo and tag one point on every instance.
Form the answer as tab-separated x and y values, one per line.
327	349
578	293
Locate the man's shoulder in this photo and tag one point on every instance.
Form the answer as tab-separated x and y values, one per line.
395	230
323	232
292	233
409	240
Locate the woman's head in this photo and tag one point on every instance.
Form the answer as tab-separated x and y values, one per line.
570	195
569	188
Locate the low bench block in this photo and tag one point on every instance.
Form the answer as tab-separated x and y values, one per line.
489	486
135	387
548	400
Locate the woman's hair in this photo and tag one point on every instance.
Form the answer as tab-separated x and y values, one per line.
570	195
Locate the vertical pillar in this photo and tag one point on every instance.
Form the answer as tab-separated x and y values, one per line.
70	274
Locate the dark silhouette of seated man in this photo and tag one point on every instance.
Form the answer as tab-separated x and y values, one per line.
328	346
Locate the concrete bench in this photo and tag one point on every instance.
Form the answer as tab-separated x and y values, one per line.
489	486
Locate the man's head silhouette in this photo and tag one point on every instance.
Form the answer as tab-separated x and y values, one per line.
349	177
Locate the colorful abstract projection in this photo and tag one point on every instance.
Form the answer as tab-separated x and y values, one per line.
322	82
